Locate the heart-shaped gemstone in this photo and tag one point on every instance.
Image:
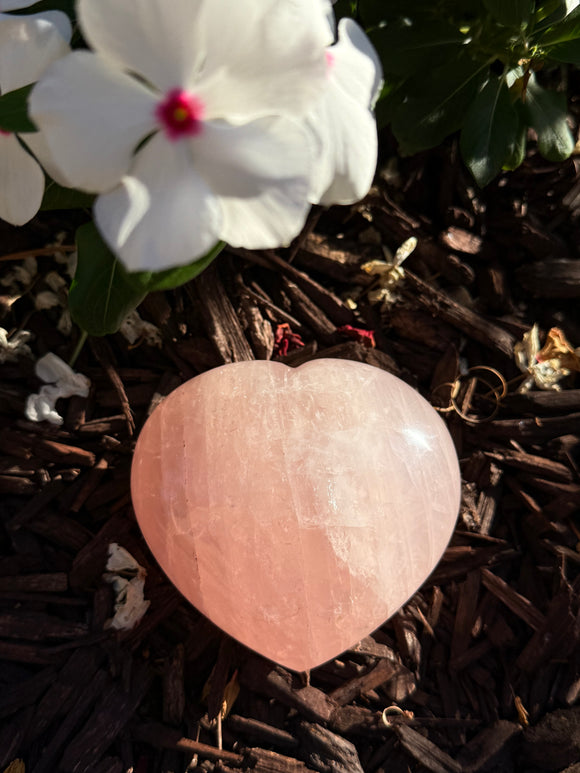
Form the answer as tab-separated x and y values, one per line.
296	508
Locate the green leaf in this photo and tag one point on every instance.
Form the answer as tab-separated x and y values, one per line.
102	293
436	103
406	47
489	131
389	101
546	113
511	13
175	277
549	13
568	52
14	111
57	197
569	29
517	150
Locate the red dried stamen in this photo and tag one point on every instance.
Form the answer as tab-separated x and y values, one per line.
181	114
364	337
285	340
5	133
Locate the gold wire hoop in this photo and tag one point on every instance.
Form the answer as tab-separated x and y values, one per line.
448	408
500	378
498	392
391	711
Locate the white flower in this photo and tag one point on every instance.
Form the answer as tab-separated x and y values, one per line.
15	5
343	119
28	44
221	86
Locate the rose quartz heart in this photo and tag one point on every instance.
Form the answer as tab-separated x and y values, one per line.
296	508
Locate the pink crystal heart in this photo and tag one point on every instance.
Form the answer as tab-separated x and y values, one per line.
296	508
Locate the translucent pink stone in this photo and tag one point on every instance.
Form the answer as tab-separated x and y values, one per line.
296	508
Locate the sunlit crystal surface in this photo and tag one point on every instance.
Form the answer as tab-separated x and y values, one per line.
296	508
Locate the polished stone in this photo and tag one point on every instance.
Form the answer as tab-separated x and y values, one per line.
296	508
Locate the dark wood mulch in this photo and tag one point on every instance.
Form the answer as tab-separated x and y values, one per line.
480	671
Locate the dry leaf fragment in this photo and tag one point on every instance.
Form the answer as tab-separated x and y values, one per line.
136	330
16	766
127	577
388	273
556	346
14	346
523	715
545	366
231	692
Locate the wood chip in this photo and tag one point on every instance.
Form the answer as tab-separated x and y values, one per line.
426	752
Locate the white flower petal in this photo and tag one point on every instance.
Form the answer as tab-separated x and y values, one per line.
346	166
343	122
261	173
156	39
36	142
15	5
356	65
28	45
271	64
21	182
62	382
60	20
41	406
328	12
92	117
53	370
238	55
163	214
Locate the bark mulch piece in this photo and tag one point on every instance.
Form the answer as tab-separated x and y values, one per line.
480	671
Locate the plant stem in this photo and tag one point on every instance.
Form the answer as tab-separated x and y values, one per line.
78	348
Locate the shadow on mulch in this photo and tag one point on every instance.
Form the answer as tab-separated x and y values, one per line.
483	662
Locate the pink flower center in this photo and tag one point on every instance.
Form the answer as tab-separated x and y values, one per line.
329	61
180	114
4	133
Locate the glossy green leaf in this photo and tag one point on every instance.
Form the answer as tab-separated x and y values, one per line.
57	197
390	99
517	149
568	52
406	47
436	103
175	277
102	293
511	13
546	113
489	131
14	111
549	12
568	29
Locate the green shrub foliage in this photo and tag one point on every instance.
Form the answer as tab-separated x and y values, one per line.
473	66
